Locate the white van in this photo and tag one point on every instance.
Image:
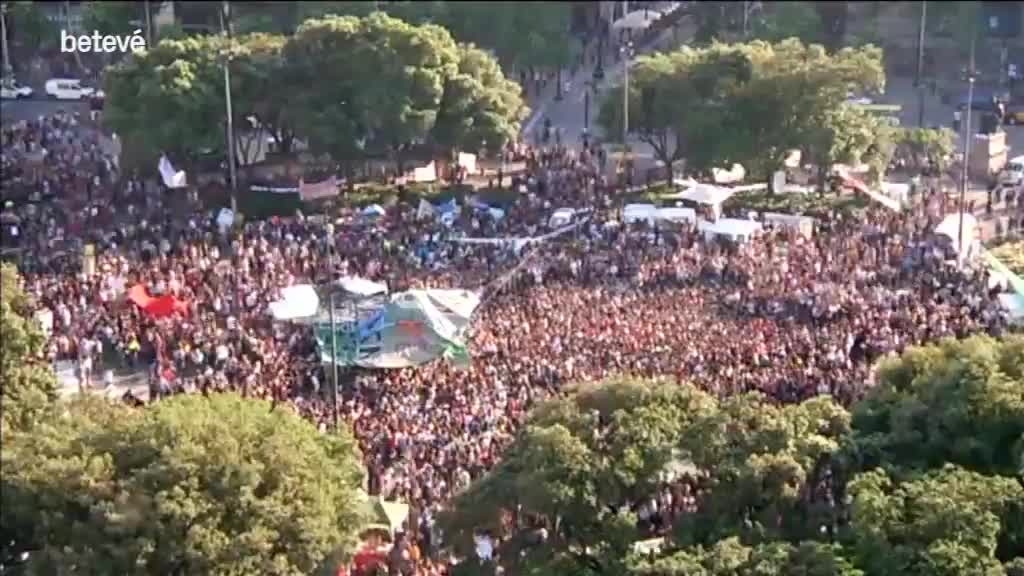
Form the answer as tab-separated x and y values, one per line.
1013	173
69	89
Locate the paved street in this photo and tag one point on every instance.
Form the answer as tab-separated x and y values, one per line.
12	111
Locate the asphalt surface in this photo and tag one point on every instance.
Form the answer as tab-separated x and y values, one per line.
13	111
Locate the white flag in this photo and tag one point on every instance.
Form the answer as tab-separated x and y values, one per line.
425	210
171	178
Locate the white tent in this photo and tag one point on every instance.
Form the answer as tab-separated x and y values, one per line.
1014	305
296	302
731	228
426	173
677	214
638	212
362	286
735	174
637	20
706	194
950	228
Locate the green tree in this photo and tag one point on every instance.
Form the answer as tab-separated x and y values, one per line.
730	557
28	28
378	86
192	485
789	20
578	465
519	35
584	462
946	522
27	382
169	99
751	104
679	103
480	108
374	84
763	464
960	402
113	18
923	147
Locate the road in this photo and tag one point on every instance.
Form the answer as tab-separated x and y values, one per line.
12	111
901	91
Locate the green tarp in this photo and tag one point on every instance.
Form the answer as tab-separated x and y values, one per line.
410	329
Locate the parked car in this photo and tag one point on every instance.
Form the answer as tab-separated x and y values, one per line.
1013	173
10	89
70	89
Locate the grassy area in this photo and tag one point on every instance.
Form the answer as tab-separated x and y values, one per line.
1011	254
803	204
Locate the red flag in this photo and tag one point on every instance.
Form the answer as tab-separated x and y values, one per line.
159	307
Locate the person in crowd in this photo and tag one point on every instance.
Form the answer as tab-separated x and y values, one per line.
783	314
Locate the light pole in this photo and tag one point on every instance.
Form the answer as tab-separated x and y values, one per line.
920	64
149	26
969	131
225	23
627	55
334	364
3	36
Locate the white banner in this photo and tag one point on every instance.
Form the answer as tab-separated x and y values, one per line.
324	189
171	178
427	173
468	162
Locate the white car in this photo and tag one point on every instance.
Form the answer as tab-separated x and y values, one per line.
1013	173
69	89
11	90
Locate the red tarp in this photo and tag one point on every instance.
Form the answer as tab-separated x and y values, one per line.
159	307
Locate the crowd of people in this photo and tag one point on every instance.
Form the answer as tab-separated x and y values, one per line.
784	314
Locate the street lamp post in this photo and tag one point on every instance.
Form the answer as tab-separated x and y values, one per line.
225	23
967	160
334	363
3	36
149	26
920	65
627	55
968	133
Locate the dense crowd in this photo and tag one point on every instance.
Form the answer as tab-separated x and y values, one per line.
783	314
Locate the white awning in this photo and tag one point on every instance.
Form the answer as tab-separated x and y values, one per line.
637	20
362	286
296	302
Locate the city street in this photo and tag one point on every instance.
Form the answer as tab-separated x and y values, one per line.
12	111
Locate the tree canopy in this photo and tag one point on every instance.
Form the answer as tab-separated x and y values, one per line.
518	34
923	477
753	103
27	383
191	485
409	86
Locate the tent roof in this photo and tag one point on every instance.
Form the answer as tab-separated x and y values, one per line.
950	228
707	194
361	286
637	20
